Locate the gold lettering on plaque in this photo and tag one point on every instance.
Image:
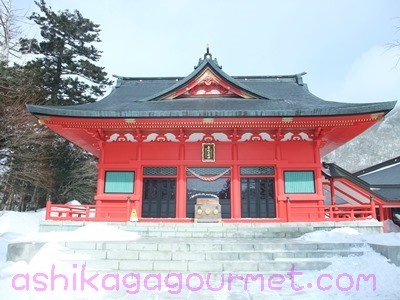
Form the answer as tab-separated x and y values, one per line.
208	152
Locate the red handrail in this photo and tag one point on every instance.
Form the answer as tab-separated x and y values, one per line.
67	212
295	211
338	212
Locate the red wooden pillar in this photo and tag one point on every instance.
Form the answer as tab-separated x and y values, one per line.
181	184
137	202
181	193
139	176
236	193
332	188
48	209
318	180
100	170
382	213
280	198
318	171
373	209
236	207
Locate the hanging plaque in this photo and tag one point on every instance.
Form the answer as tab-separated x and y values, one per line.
208	152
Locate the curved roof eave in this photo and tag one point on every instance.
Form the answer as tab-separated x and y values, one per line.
217	111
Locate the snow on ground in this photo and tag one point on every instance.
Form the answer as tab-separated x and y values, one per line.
24	227
351	235
14	225
90	232
348	269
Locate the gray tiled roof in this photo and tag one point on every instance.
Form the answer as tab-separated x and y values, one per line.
389	193
275	96
387	172
390	175
384	178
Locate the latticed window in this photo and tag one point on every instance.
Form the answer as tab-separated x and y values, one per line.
257	171
299	182
119	182
159	171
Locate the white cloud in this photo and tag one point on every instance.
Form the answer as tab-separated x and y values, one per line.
374	76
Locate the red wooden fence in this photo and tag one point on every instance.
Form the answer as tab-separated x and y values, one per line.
295	212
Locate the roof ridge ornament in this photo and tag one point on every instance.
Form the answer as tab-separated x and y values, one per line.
207	57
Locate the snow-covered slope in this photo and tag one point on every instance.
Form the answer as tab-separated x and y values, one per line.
379	143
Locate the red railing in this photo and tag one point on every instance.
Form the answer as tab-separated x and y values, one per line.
338	212
295	211
100	213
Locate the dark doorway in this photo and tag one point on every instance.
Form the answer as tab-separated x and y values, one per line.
258	197
159	198
219	188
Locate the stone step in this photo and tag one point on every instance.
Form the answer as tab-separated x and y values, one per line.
200	265
252	248
159	228
210	255
196	245
221	234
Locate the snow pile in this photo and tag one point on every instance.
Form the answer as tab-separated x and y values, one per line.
41	264
350	235
338	235
73	202
89	232
390	226
345	269
16	225
24	227
23	223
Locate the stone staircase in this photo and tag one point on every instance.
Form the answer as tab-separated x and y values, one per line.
214	248
211	255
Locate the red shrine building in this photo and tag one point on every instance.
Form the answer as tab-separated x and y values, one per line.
253	142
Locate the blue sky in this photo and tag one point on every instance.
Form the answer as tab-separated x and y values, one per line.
341	44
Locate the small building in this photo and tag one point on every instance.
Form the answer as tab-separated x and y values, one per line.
384	180
377	185
253	142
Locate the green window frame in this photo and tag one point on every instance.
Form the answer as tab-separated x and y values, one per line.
119	182
299	182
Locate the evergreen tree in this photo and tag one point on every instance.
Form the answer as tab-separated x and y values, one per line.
66	56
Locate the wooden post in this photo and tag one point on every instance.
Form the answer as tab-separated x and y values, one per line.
331	216
381	213
87	212
332	188
48	208
373	210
